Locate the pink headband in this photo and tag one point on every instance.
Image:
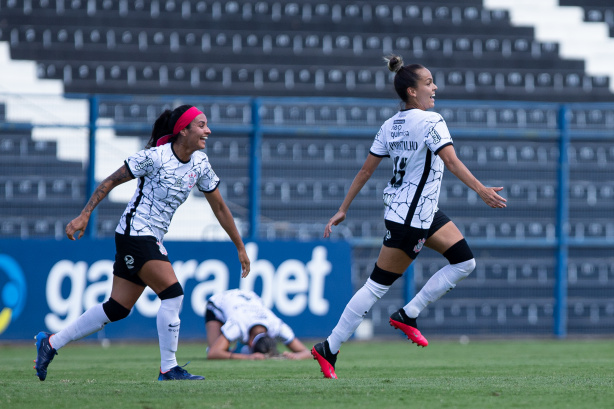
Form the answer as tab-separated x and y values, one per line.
183	121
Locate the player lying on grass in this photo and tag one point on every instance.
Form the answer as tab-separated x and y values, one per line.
240	316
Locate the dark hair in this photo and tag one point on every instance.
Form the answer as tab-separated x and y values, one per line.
265	345
165	123
406	75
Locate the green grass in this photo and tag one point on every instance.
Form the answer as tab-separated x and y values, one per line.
574	374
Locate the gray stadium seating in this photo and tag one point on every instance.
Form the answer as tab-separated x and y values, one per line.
278	48
335	48
595	11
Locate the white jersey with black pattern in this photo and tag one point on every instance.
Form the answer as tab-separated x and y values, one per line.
240	310
412	138
164	183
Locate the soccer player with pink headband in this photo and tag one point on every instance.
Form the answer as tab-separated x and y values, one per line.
167	169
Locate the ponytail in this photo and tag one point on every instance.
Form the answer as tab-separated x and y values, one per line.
164	125
406	75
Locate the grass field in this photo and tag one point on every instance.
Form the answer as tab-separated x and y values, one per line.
576	374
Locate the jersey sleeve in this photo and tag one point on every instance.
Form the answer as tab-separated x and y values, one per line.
378	148
438	136
142	162
209	180
286	335
231	330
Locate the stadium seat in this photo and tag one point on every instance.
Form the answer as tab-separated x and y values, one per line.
317	48
478	55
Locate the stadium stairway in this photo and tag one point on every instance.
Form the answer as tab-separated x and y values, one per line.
565	23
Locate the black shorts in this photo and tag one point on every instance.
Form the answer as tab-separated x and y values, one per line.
411	239
132	252
212	313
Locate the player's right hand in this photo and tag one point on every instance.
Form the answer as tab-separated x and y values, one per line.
77	225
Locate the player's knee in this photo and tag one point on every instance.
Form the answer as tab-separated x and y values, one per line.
380	281
172	291
171	299
383	277
458	252
461	258
466	267
114	310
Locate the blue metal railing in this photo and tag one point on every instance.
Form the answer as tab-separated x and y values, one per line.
562	220
263	119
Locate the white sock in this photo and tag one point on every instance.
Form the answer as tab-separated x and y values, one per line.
442	281
354	312
92	320
168	322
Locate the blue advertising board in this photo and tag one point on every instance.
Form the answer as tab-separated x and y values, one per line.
44	285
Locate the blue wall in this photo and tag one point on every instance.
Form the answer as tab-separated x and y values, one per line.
47	284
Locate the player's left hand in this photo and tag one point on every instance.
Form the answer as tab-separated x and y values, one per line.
297	355
490	196
334	221
257	356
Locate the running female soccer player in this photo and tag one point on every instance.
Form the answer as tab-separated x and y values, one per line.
167	170
419	144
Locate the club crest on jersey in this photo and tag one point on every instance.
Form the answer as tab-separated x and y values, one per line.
191	180
419	246
434	135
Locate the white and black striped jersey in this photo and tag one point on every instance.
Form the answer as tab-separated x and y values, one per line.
164	183
412	138
240	310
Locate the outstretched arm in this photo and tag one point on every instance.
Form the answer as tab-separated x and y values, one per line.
214	331
224	216
219	350
121	175
298	350
488	194
363	175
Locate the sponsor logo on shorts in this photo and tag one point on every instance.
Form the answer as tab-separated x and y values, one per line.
129	260
419	246
388	235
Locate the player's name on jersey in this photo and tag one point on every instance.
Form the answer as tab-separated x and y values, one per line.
403	145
